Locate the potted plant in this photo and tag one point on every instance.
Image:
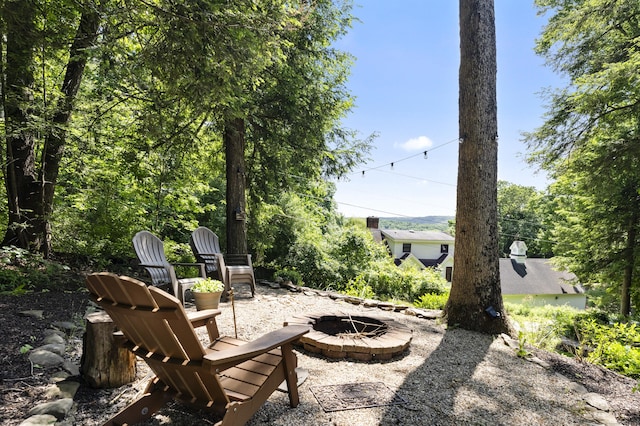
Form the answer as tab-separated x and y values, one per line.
206	293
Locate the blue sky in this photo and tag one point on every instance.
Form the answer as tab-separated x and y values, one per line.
405	80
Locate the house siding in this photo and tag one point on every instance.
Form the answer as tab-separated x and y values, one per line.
425	245
577	301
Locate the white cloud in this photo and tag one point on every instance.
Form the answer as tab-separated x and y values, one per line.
415	144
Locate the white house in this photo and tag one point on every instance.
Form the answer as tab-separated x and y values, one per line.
421	248
536	282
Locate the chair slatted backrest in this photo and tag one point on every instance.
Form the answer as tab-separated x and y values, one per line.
149	317
150	251
158	329
205	244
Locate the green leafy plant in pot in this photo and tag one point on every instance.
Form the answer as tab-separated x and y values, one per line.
206	293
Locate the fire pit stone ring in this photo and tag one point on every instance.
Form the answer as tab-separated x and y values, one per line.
359	337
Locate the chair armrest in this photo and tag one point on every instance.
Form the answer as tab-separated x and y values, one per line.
144	265
221	360
203	272
186	264
199	318
207	319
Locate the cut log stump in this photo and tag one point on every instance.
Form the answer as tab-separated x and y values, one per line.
104	363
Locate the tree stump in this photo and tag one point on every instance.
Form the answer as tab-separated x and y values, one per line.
104	363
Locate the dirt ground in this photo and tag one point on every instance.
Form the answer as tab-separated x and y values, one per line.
22	387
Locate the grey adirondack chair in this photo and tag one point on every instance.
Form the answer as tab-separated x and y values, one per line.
236	269
205	246
150	251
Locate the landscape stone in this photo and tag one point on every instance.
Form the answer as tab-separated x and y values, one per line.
65	325
423	313
597	401
58	408
65	389
45	358
53	339
59	376
538	361
56	348
36	313
72	368
578	388
50	331
605	418
39	419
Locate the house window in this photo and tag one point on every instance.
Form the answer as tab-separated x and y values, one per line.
448	273
444	248
406	247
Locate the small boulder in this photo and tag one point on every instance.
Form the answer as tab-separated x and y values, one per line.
34	313
58	408
45	358
39	420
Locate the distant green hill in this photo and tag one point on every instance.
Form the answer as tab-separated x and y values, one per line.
424	223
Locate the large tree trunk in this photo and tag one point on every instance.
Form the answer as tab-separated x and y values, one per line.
236	202
475	302
31	189
20	177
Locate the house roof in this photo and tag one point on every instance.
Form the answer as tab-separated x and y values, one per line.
377	235
407	235
536	276
434	262
428	263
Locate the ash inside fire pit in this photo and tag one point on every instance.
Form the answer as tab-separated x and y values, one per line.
352	326
356	337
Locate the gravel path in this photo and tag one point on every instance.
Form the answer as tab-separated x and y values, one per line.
447	377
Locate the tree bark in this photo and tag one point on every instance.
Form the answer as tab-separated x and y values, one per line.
20	136
236	184
31	188
629	258
475	301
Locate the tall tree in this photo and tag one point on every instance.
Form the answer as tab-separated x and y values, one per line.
475	301
592	133
234	143
30	181
520	217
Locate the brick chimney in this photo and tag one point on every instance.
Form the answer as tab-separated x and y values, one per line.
372	222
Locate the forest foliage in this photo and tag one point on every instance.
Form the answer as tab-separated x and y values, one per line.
142	146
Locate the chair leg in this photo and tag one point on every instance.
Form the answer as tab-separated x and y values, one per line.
290	364
154	398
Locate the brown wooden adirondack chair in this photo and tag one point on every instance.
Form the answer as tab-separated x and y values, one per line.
231	377
205	246
150	251
236	269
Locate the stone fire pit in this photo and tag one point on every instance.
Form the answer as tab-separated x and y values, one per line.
359	337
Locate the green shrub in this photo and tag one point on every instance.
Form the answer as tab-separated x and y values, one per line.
22	271
544	326
358	287
432	301
615	346
289	274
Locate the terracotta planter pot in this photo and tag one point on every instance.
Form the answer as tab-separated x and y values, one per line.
207	300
